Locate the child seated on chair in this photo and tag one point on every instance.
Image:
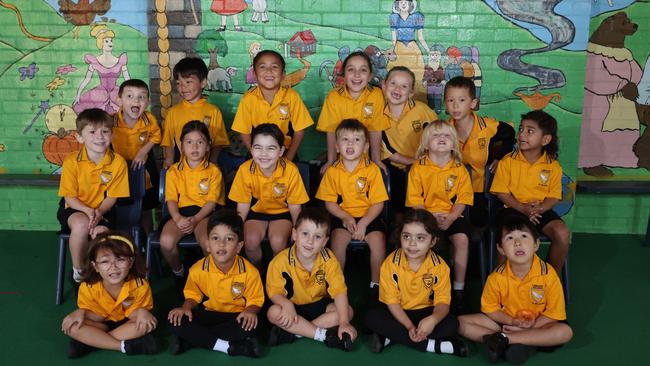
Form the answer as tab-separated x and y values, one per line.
193	189
135	133
522	303
269	193
92	180
223	295
306	285
357	183
529	182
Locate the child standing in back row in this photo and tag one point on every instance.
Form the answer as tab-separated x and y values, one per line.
191	76
529	182
355	100
439	183
268	102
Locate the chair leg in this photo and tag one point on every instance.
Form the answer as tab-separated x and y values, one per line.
60	276
148	258
482	260
565	281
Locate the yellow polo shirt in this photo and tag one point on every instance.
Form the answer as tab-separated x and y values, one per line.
183	112
359	189
287	111
287	277
540	291
230	292
135	294
367	108
405	133
438	189
269	195
412	290
91	183
194	187
528	182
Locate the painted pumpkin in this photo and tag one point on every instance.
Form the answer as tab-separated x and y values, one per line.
57	146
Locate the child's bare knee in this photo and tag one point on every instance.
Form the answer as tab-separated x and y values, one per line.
272	313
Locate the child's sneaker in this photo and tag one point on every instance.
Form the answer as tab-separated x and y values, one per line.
519	353
332	340
77	349
495	344
279	336
377	343
176	346
248	347
145	345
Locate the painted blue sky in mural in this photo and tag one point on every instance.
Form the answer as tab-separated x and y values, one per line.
573	10
132	13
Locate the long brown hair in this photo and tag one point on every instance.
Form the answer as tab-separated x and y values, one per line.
121	245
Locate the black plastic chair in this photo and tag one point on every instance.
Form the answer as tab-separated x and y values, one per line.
127	215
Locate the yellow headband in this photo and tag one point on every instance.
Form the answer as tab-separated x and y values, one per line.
123	240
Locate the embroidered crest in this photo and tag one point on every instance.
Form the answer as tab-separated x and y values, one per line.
320	276
106	177
204	185
481	143
206	120
237	290
450	183
279	189
543	176
368	110
361	183
284	111
428	280
417	125
537	294
142	138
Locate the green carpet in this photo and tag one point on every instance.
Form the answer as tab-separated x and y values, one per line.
610	313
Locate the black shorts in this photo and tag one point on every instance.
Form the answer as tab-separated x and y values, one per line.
546	218
186	211
259	216
375	225
150	199
478	212
113	325
64	213
398	181
460	226
313	310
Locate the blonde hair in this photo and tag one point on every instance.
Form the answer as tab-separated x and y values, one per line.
101	31
436	126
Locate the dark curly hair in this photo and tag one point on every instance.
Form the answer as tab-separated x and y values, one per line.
121	245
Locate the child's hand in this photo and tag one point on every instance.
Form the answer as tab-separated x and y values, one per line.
511	329
184	224
74	320
493	165
167	163
176	314
443	221
360	232
413	334
425	327
349	329
382	166
94	219
350	224
144	320
247	319
139	159
288	316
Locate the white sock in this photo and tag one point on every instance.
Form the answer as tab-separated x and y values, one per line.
221	346
445	347
459	285
319	335
386	342
373	284
180	272
122	347
76	274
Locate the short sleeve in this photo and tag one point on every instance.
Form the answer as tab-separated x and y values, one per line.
192	291
300	117
119	185
327	188
329	116
254	291
334	277
555	306
379	122
377	190
155	135
555	182
414	190
465	191
171	185
86	300
297	194
218	129
442	289
240	191
143	299
168	130
388	286
69	186
491	297
274	280
242	121
501	179
216	193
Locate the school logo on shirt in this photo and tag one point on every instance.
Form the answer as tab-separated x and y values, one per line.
237	290
106	177
206	120
320	276
481	143
361	183
543	177
417	125
204	185
279	189
368	110
537	294
284	111
450	183
429	280
142	138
